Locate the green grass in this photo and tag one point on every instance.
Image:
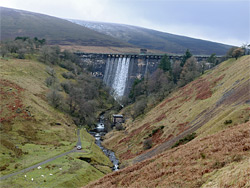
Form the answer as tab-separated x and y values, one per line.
74	173
39	137
35	154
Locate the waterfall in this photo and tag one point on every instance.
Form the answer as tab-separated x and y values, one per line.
146	70
116	75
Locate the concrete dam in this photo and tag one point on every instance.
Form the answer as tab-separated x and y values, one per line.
118	71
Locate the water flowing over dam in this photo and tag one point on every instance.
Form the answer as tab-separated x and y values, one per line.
116	74
119	71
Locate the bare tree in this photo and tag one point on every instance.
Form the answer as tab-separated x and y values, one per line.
54	98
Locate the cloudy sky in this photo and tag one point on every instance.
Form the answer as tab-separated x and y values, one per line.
225	21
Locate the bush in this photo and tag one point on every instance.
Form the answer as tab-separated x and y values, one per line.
228	122
54	98
67	65
49	81
185	140
203	156
139	108
68	75
156	130
66	86
147	144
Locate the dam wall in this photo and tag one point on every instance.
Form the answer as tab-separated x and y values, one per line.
118	71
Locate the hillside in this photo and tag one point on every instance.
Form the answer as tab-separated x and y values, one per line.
216	100
151	39
55	30
33	131
215	107
219	160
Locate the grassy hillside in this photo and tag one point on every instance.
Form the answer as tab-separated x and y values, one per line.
151	39
216	108
218	160
217	100
33	131
55	30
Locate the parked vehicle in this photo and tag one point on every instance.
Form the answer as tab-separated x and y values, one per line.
79	147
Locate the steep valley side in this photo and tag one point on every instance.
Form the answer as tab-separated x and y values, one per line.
218	160
204	106
33	131
216	108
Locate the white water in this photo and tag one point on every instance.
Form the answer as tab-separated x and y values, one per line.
121	75
116	75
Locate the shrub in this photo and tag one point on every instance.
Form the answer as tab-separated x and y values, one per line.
67	65
139	108
68	75
147	144
203	156
49	81
228	122
66	87
156	130
185	140
54	98
218	164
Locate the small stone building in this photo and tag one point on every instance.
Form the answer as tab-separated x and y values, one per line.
117	118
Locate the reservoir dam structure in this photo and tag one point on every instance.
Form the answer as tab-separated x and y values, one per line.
119	71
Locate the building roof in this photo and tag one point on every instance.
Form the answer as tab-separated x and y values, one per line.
117	116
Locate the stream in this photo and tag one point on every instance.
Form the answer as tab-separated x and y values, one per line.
98	132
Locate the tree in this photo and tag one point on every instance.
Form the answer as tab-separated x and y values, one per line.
212	59
238	52
3	50
136	89
189	72
139	107
54	98
186	56
165	64
176	71
49	54
230	52
246	48
159	82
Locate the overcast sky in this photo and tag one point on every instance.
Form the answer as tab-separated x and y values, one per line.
225	21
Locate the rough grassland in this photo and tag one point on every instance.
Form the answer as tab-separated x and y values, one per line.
204	105
67	171
33	131
218	160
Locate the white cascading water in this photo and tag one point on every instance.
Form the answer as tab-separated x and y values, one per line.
107	71
121	75
116	75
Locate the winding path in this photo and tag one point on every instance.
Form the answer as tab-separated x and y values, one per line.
46	161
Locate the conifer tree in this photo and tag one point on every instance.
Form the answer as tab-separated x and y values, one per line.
165	64
186	56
